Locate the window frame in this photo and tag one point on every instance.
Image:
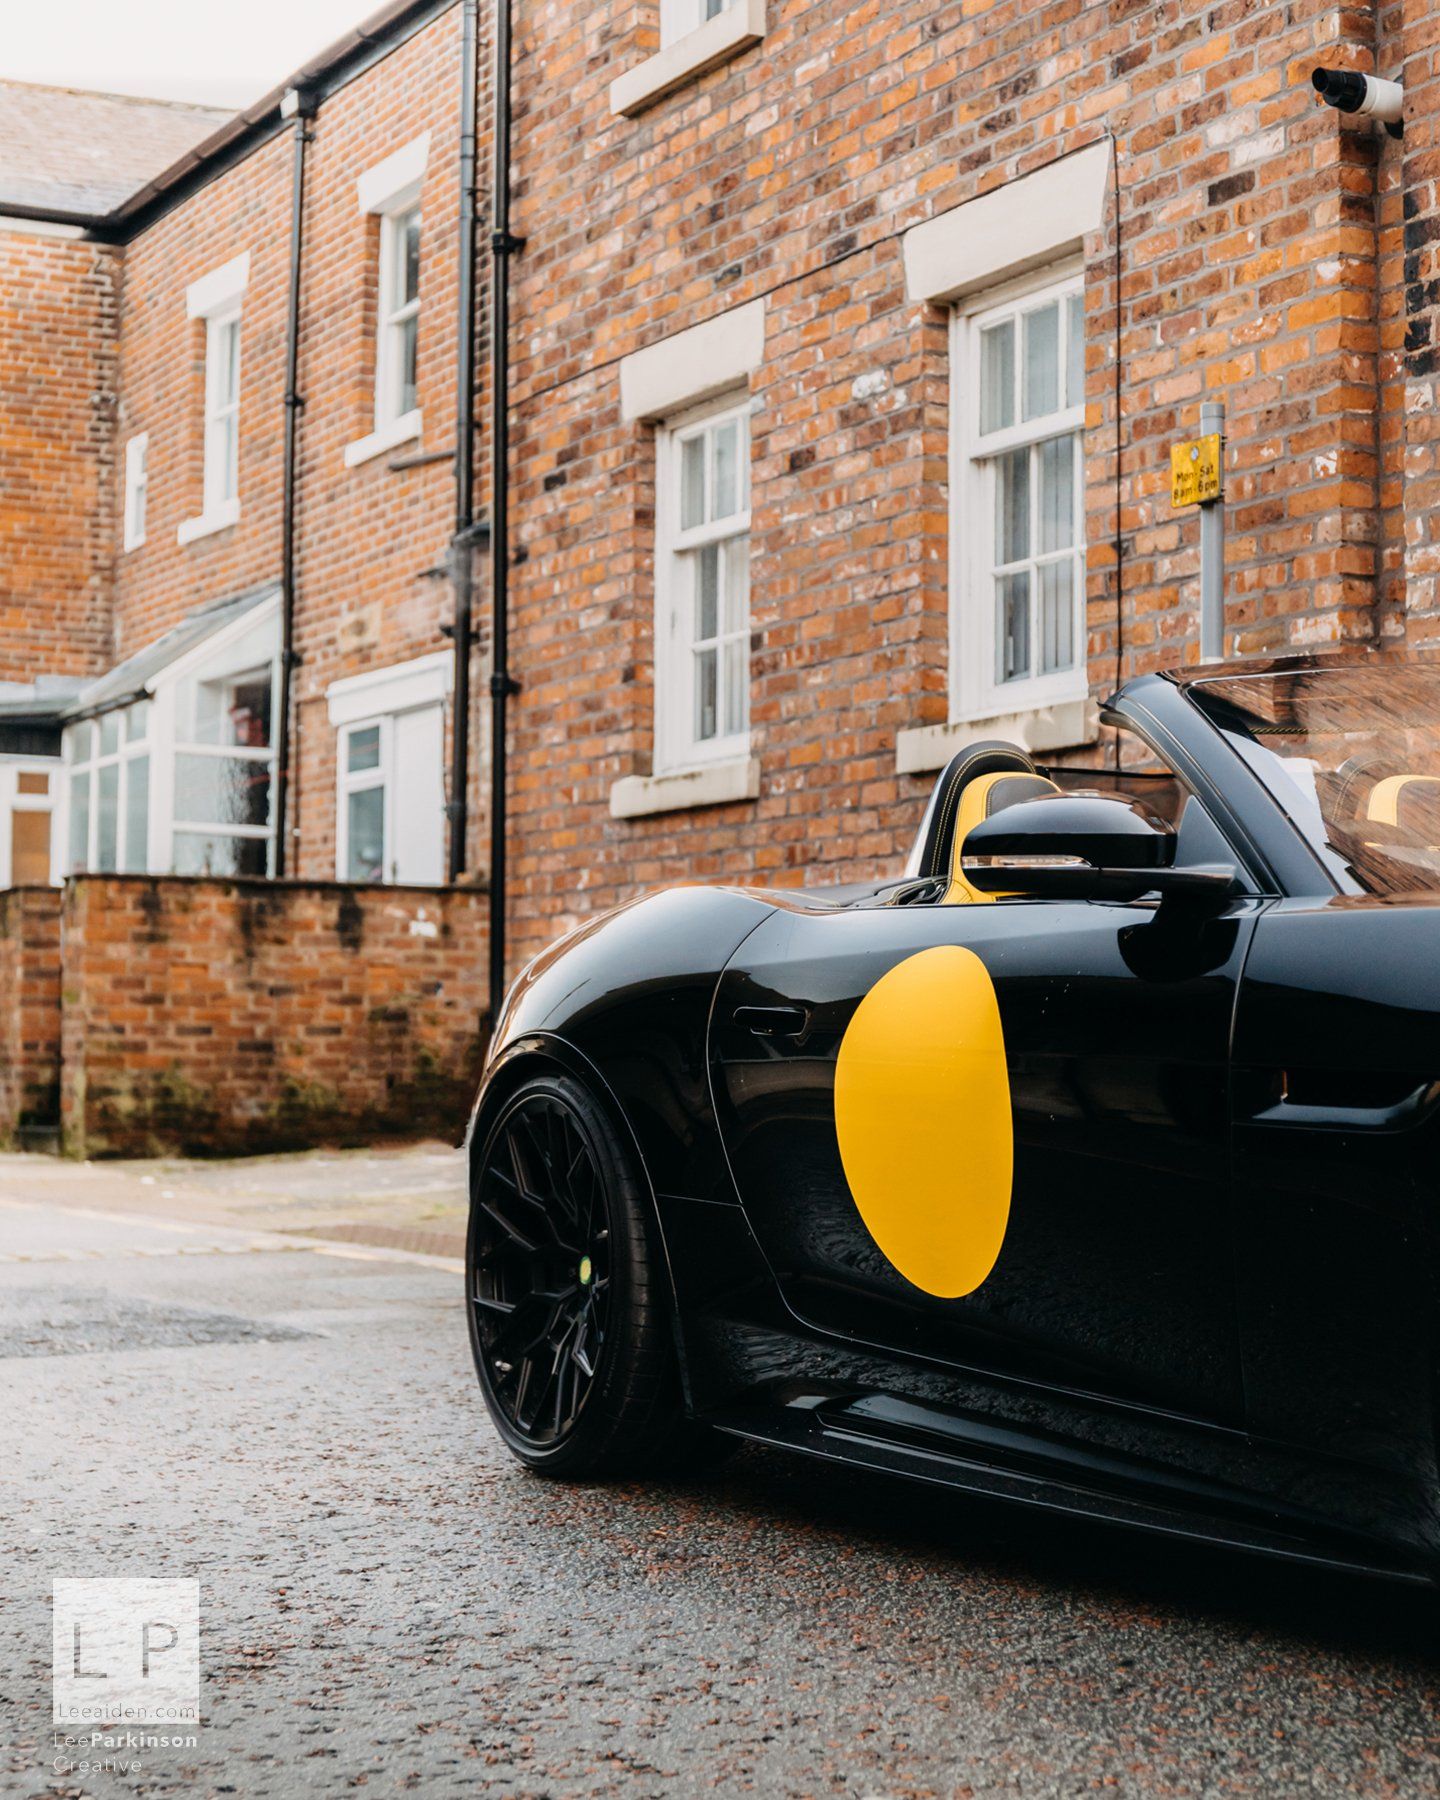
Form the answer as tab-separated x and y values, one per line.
678	18
222	416
385	193
391	319
12	801
677	748
976	690
137	490
126	753
353	781
217	301
263	755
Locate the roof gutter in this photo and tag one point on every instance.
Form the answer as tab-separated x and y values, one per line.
113	703
93	225
334	68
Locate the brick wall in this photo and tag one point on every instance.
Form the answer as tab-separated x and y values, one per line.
29	1012
57	401
1252	225
213	1017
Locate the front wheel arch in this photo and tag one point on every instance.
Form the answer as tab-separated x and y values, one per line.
541	1053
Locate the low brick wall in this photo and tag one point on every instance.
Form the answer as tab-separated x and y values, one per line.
29	1013
215	1017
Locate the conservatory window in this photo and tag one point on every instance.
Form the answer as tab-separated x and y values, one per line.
224	760
108	792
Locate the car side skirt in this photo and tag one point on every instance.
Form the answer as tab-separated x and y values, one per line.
753	1369
883	1435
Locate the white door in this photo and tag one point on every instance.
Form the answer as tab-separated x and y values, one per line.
417	805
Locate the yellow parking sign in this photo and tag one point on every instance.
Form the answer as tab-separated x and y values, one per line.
1195	471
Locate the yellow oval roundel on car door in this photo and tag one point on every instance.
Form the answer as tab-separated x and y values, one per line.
922	1111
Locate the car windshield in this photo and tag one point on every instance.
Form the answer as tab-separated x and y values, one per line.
1352	754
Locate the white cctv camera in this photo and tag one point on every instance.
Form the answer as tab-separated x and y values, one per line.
1350	92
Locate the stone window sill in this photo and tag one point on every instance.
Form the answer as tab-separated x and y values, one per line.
404	430
720	784
219	518
716	41
1065	726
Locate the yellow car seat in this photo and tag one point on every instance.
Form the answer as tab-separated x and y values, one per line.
976	783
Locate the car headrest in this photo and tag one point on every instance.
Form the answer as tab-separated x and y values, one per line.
1410	801
981	798
934	848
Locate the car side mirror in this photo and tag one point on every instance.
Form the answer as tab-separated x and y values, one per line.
1083	847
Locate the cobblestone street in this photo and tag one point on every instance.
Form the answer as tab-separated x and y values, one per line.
388	1604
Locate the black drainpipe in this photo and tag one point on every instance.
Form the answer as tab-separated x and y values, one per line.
502	685
299	105
462	545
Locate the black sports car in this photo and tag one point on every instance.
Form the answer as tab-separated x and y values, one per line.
1093	1162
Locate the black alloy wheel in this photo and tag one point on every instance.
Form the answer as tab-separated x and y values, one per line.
541	1289
567	1297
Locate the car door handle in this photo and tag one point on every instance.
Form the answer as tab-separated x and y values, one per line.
772	1021
1334	1114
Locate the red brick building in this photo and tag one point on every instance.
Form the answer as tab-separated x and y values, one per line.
871	256
819	335
145	326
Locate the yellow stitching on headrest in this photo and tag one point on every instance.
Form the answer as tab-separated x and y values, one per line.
972	810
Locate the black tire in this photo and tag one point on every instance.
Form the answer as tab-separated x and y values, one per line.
566	1294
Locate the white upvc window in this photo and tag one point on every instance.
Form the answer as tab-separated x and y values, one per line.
397	346
390	774
180	780
137	487
390	192
221	711
678	18
222	774
107	771
216	301
366	802
1017	576
702	587
222	410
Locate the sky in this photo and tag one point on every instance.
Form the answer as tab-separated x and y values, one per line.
206	50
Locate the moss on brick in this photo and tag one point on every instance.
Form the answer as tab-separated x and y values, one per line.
217	1018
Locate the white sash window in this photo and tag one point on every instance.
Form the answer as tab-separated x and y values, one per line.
702	625
1018	557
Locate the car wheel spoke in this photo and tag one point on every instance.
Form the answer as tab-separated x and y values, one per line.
508	1226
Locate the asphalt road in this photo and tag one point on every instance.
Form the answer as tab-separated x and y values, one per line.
388	1605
